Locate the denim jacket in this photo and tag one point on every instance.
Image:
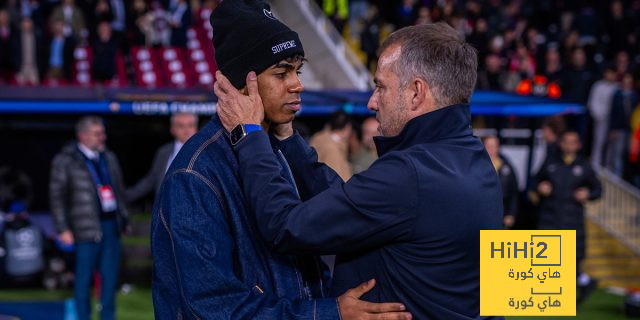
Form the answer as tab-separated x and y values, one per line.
208	258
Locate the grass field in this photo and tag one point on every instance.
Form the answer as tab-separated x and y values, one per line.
136	305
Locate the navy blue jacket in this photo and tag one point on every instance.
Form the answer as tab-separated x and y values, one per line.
412	221
208	260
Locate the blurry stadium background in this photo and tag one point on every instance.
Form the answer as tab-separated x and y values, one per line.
136	62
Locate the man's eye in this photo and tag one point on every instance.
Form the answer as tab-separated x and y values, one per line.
299	72
281	75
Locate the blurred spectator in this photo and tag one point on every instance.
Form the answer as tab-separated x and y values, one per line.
622	64
492	76
577	78
569	44
119	22
337	11
624	102
479	39
599	106
366	155
406	13
27	8
552	65
60	53
621	28
72	18
155	25
180	20
15	186
370	36
564	185
588	25
634	147
332	145
6	39
552	128
102	12
105	47
183	127
521	66
87	203
135	22
357	13
28	53
424	16
508	180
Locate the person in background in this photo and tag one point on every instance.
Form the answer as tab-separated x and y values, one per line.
72	18
577	78
565	184
508	180
118	24
367	154
6	38
370	36
599	105
493	75
552	128
183	127
179	20
332	144
87	204
60	53
105	47
624	102
28	53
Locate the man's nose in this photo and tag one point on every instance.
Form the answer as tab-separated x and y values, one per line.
373	103
297	86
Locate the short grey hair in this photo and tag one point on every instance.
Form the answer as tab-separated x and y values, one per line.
437	54
85	122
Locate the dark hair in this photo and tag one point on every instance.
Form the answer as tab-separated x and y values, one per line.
437	54
338	120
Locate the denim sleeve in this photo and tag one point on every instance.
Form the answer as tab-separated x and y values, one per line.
198	246
312	177
375	207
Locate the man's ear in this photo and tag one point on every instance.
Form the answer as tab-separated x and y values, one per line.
417	88
422	96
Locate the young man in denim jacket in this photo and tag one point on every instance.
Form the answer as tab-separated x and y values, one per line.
209	262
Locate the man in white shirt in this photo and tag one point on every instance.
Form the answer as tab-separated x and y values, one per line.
183	126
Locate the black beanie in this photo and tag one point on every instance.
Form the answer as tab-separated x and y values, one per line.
247	37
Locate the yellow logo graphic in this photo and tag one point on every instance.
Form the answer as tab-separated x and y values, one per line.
528	273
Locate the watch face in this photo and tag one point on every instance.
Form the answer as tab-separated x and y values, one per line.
236	134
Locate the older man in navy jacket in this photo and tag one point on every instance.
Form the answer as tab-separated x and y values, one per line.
413	220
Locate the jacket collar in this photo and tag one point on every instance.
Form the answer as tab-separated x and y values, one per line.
448	122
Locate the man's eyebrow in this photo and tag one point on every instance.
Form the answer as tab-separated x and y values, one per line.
284	65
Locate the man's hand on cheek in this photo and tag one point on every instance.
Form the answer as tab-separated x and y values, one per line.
235	108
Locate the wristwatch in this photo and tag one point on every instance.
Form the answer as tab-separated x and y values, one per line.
242	130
